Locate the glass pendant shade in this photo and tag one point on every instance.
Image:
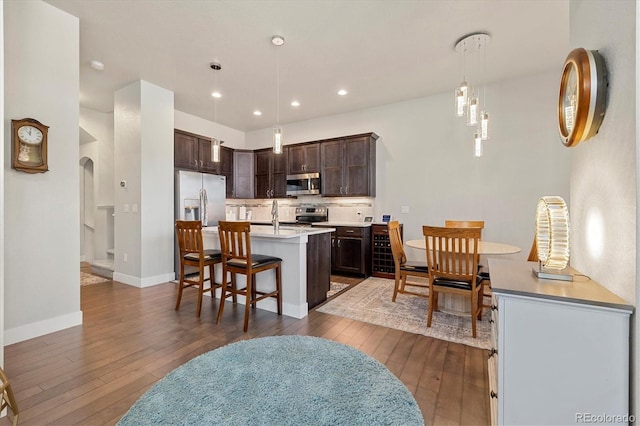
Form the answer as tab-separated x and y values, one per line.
277	139
215	150
461	98
472	112
484	125
477	145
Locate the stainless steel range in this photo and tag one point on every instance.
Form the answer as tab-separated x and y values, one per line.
310	214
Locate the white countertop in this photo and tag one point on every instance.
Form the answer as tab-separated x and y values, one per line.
267	231
357	224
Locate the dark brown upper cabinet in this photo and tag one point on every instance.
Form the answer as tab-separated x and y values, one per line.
271	173
304	158
349	166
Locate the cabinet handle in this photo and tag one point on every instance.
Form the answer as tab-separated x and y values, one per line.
195	162
494	395
200	163
267	193
350	231
346	190
333	242
338	243
493	352
340	190
272	192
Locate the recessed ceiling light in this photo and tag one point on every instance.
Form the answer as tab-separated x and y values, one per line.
342	92
96	65
256	112
216	94
277	40
295	103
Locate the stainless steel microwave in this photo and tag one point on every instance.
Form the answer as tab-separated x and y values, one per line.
303	184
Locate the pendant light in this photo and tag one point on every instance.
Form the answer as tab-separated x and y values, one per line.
468	102
277	41
215	142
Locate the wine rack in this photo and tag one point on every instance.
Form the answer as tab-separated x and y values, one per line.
382	257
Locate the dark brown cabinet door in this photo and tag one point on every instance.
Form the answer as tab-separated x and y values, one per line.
304	158
185	151
243	174
205	162
357	152
271	174
348	166
349	255
332	154
225	168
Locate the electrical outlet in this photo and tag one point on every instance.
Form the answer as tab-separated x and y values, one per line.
404	209
125	208
125	257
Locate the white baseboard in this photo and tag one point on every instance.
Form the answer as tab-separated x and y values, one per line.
143	282
40	328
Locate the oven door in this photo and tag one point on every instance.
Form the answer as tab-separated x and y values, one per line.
303	184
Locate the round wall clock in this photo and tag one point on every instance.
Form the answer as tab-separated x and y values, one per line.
29	145
581	103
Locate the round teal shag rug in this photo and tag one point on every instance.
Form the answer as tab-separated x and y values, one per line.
280	380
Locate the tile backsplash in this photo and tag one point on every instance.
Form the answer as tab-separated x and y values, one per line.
340	209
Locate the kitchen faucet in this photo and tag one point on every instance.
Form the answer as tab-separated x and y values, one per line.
274	216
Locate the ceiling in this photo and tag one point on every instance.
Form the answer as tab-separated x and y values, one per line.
381	51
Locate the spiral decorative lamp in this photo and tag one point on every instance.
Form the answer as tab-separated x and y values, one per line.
552	239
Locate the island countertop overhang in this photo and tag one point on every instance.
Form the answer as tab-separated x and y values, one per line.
284	232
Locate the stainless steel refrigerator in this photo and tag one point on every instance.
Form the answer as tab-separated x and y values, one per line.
198	196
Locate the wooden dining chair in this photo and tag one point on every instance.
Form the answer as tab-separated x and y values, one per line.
452	257
486	278
8	400
533	253
193	253
403	268
237	258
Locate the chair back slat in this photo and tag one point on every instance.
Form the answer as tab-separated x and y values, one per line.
235	240
452	253
399	257
189	235
464	224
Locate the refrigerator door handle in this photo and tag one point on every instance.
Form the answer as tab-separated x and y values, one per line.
203	207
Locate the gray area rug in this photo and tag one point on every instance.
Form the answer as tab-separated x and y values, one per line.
88	279
336	288
280	380
370	301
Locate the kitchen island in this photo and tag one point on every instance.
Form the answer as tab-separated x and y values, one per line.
306	265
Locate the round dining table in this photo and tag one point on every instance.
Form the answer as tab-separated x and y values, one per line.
453	303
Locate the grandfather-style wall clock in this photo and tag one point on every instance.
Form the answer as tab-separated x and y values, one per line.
583	90
29	145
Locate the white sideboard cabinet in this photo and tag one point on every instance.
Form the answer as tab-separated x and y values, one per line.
560	350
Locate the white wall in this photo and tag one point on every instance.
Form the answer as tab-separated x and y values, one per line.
2	133
425	158
603	169
190	123
42	247
99	126
143	152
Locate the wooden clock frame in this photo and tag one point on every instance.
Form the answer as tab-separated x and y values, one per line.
39	152
589	90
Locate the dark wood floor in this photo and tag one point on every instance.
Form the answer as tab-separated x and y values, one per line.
130	338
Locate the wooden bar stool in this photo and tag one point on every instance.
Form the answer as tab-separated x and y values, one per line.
235	244
192	253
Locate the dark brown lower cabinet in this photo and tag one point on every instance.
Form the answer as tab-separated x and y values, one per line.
351	250
318	268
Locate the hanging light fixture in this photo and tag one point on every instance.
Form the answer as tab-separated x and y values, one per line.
215	142
467	96
277	41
